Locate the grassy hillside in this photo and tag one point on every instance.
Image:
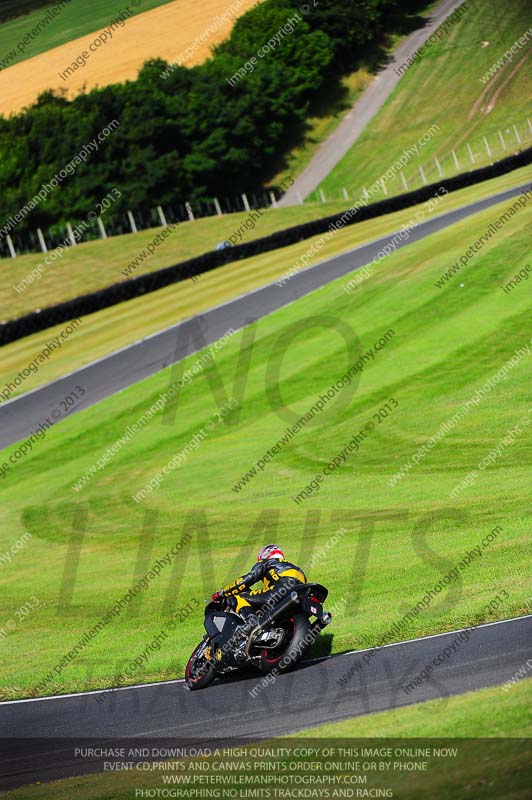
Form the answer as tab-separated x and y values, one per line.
444	88
446	344
98	264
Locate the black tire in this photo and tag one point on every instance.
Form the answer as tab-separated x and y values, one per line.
289	653
200	671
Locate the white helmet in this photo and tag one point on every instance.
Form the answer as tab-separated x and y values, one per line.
269	551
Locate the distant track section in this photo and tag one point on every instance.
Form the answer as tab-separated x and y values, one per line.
150	282
20	417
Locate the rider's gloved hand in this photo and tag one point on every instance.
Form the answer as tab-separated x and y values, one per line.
217	596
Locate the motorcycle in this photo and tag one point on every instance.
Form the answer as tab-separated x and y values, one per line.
279	634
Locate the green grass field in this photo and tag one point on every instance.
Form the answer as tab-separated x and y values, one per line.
464	108
446	344
116	327
76	19
498	771
485	713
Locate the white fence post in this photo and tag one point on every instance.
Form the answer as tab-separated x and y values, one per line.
421	172
405	184
456	162
529	124
438	166
517	134
11	246
383	187
162	216
132	222
71	234
346	193
322	195
471	156
502	140
488	149
103	232
246	203
217	207
273	200
41	241
299	198
189	212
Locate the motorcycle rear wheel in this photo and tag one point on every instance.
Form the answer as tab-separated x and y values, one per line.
200	671
288	654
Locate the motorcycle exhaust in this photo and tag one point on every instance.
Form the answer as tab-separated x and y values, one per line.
274	614
321	623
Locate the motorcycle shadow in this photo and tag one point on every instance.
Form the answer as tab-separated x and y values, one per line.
321	647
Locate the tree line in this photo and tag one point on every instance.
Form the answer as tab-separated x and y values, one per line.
189	133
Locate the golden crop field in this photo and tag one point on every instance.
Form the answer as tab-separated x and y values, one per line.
179	31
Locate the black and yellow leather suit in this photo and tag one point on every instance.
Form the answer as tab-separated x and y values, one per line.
277	576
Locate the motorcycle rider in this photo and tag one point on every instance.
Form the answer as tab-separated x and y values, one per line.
278	576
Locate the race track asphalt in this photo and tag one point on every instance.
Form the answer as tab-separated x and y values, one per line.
22	415
45	731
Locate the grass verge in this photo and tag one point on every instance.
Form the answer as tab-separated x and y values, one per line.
485	713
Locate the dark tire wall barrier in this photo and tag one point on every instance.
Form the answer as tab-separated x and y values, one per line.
34	322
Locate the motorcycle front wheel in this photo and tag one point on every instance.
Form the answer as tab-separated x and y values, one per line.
292	648
200	671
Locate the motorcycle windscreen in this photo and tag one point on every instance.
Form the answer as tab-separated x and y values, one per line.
220	625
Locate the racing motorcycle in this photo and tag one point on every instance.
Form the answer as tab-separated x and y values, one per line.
279	635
